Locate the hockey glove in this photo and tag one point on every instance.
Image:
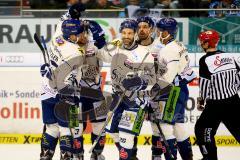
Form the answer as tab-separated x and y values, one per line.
179	81
46	71
98	34
116	42
75	10
134	84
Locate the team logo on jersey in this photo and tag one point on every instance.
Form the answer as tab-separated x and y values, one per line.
77	144
59	41
222	61
128	63
154	54
123	154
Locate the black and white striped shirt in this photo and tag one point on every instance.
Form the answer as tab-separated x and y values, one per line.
218	73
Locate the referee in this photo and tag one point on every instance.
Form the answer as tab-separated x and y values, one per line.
218	99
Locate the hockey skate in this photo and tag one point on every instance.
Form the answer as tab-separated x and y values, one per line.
66	155
46	154
78	156
96	156
156	157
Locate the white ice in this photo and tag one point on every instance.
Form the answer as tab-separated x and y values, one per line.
31	152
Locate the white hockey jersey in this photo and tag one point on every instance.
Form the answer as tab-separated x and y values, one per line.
90	71
175	56
129	62
64	57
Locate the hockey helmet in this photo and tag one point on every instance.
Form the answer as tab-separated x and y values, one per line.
71	27
168	24
210	36
128	23
146	19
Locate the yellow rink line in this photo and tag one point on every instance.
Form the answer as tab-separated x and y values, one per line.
142	139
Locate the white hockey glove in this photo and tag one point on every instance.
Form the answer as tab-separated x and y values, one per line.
46	71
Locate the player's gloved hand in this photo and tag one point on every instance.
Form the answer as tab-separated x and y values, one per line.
179	81
98	34
135	83
200	104
46	71
142	101
116	42
75	10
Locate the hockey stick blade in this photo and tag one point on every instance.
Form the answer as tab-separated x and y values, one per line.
37	40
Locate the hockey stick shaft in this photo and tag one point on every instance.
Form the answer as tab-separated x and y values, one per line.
45	47
157	123
37	40
165	141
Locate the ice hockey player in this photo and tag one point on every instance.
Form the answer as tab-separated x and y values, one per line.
64	53
92	105
90	68
175	57
219	98
129	115
146	28
146	32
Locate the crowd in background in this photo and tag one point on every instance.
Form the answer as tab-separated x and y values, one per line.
143	7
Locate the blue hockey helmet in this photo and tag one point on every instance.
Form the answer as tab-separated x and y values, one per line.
168	24
71	27
146	19
128	23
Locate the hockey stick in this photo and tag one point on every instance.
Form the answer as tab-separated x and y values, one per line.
110	114
165	141
37	40
45	47
166	89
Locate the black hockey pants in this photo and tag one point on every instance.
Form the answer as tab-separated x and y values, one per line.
226	111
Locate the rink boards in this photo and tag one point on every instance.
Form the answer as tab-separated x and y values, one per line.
142	139
20	109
